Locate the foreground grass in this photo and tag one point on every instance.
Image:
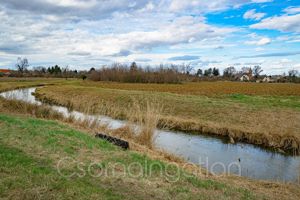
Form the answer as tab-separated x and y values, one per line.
30	150
272	121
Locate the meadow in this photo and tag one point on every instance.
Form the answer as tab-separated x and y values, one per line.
263	114
25	163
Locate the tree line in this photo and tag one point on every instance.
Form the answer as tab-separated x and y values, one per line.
161	74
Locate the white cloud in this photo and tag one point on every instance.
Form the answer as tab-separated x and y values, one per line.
258	40
253	15
108	38
284	23
73	3
292	10
289	38
90	33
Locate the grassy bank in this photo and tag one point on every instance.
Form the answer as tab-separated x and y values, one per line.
29	170
271	121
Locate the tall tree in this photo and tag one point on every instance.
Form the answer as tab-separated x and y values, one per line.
229	72
257	70
208	72
133	67
293	73
216	72
22	65
199	72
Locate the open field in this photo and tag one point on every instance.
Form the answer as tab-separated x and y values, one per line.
210	88
14	83
25	163
268	120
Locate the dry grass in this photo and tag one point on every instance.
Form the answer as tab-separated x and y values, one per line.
14	106
271	126
146	118
141	125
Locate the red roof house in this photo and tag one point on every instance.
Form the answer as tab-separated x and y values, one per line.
5	71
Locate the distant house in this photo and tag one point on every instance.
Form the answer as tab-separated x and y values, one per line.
277	77
245	78
5	72
268	79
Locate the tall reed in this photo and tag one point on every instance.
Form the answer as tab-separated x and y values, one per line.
143	120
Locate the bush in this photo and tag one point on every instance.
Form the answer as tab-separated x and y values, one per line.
135	74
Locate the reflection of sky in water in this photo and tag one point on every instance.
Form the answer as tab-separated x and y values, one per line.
254	161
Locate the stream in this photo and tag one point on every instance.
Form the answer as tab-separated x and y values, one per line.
212	153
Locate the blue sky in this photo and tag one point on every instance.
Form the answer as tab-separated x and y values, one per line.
92	33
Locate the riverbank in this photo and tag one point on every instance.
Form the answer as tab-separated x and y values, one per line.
29	163
269	121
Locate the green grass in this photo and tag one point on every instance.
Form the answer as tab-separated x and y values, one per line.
30	150
292	102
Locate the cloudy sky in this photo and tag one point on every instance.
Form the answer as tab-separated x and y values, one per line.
90	33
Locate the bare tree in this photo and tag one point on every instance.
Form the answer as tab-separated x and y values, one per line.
22	65
293	73
65	72
229	72
246	70
257	70
189	68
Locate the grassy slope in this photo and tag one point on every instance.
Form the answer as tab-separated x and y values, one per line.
31	148
270	115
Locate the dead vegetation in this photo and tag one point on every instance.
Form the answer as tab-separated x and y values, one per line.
276	128
19	107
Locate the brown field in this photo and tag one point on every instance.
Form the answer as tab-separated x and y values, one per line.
211	88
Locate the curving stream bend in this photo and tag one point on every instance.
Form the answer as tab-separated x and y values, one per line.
210	152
